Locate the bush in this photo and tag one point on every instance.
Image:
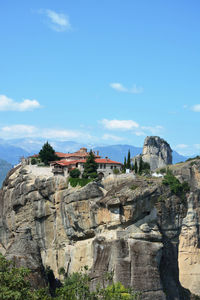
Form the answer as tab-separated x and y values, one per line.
14	285
75	173
79	181
116	171
133	187
176	187
33	161
162	171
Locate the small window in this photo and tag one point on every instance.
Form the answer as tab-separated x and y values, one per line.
100	166
111	167
104	166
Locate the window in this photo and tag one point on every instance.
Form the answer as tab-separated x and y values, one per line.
101	166
111	167
104	166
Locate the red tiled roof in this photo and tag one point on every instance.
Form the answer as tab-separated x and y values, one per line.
100	161
68	155
75	154
64	162
106	161
73	162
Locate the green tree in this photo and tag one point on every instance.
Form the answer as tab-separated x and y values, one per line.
124	166
90	167
136	167
13	285
116	291
128	165
75	287
140	165
33	161
47	154
75	173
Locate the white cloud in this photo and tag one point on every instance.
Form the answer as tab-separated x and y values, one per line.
120	88
197	146
196	108
108	137
19	129
56	133
22	130
119	124
181	146
153	130
131	126
8	104
57	21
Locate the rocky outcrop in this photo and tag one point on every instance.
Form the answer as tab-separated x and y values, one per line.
156	151
132	226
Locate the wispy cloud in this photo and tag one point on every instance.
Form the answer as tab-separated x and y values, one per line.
120	88
23	130
108	137
18	130
119	124
8	104
181	146
57	21
153	129
132	126
196	108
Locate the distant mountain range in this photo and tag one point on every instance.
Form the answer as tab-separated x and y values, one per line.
12	150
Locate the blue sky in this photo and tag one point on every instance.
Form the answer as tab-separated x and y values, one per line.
103	72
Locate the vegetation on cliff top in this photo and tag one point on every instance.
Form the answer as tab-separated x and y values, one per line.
47	154
176	187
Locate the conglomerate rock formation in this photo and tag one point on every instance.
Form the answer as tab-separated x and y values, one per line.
133	226
156	151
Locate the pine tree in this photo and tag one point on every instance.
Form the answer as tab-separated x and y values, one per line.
128	165
47	154
90	166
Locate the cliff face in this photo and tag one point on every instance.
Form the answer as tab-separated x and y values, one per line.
156	151
133	226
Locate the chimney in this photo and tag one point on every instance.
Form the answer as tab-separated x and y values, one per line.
106	157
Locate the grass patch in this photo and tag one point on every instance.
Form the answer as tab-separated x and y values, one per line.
192	158
79	181
133	187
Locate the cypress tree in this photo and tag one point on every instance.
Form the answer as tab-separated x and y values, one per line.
140	165
136	167
125	165
129	160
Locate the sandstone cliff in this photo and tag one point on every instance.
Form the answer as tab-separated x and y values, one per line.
156	151
133	226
